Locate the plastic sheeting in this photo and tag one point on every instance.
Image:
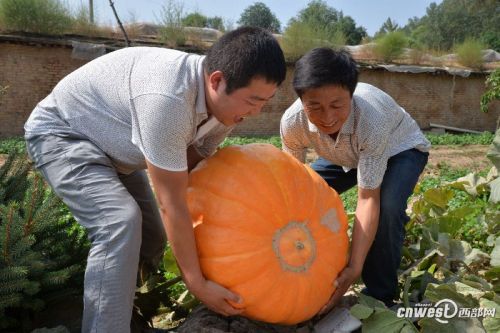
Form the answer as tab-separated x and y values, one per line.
87	51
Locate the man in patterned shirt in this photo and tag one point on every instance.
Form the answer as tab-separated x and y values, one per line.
139	108
362	136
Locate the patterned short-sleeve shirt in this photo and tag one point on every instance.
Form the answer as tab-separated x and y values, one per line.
134	103
376	129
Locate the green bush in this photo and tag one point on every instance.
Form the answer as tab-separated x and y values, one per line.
38	16
300	37
11	144
390	46
172	33
43	249
81	23
484	138
469	53
493	90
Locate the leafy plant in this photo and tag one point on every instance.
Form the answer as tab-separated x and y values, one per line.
493	90
469	53
259	15
47	16
390	46
484	138
172	32
301	37
43	252
12	144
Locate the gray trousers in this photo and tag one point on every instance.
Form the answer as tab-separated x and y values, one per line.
120	215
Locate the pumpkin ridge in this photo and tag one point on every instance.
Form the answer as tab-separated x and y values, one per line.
271	171
222	160
239	203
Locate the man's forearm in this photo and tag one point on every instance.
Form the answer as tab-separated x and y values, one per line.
180	233
365	228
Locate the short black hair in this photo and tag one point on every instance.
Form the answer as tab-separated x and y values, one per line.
246	53
324	66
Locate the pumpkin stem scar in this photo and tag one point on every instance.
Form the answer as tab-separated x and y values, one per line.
297	238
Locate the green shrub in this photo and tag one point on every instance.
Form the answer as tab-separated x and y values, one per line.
38	16
484	138
493	90
390	46
12	144
172	33
300	37
81	23
469	53
43	250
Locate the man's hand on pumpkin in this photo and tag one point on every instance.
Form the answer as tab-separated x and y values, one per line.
347	277
216	298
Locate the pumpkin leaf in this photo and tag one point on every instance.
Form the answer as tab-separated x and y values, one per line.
385	320
491	324
495	191
471	183
438	197
371	302
435	293
454	325
361	311
495	254
169	263
493	273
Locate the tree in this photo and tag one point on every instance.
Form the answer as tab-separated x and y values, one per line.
215	22
43	250
259	15
453	21
388	26
352	33
327	21
195	20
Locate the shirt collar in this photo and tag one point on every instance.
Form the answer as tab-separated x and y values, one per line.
201	104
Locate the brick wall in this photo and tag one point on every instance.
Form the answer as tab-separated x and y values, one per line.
31	70
429	97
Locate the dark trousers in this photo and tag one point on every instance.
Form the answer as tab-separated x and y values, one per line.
384	257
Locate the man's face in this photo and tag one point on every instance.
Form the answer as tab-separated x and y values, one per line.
240	103
327	107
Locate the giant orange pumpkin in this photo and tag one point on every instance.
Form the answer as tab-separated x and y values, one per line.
268	228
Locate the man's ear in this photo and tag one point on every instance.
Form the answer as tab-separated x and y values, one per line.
216	79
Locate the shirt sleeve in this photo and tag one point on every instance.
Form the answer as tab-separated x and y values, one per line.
291	139
161	128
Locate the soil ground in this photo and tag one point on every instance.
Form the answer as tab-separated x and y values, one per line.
470	157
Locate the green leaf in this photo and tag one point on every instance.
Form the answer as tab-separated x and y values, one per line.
494	151
438	196
384	320
435	293
491	324
495	191
169	263
493	273
495	254
370	302
450	224
471	183
433	257
361	311
454	325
